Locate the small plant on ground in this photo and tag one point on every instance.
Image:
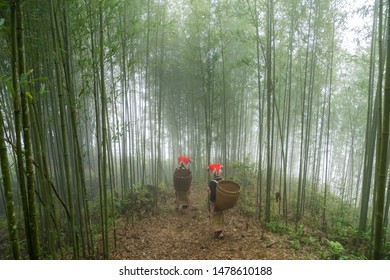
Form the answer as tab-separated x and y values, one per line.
277	227
295	244
335	249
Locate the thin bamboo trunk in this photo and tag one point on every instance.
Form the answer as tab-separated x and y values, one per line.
104	167
64	134
9	200
18	125
29	169
383	157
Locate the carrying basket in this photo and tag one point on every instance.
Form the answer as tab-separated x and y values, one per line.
228	193
182	179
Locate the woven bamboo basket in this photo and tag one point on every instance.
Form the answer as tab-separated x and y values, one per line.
228	193
182	179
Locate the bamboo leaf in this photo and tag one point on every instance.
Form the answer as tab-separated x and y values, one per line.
29	95
10	87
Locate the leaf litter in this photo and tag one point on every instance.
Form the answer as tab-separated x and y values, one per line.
185	235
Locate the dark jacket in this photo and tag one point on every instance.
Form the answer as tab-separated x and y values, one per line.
213	188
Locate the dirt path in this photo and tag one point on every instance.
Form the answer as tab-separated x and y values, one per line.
186	236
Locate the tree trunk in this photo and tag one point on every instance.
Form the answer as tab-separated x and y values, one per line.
104	166
33	220
383	147
9	200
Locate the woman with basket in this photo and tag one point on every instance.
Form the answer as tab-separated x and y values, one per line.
182	178
216	217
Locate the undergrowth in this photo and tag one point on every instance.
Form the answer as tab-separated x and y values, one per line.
331	234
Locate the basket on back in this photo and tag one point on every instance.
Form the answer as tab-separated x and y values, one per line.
228	193
182	179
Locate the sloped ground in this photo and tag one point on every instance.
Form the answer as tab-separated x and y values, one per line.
186	236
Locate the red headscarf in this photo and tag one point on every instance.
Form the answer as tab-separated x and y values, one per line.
215	168
184	160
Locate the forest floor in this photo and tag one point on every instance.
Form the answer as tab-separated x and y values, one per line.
186	236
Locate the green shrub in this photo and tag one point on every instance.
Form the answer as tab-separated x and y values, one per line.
295	244
336	249
277	227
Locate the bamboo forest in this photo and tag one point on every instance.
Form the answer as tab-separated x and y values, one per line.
124	124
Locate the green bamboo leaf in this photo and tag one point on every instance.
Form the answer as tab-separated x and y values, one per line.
10	87
24	77
29	95
2	20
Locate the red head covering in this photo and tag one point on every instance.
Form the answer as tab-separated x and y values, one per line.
215	168
184	160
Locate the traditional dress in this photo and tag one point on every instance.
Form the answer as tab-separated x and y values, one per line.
182	196
182	199
217	219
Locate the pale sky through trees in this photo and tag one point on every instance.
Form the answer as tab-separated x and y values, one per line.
353	36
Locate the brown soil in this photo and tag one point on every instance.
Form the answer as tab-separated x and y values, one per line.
186	236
